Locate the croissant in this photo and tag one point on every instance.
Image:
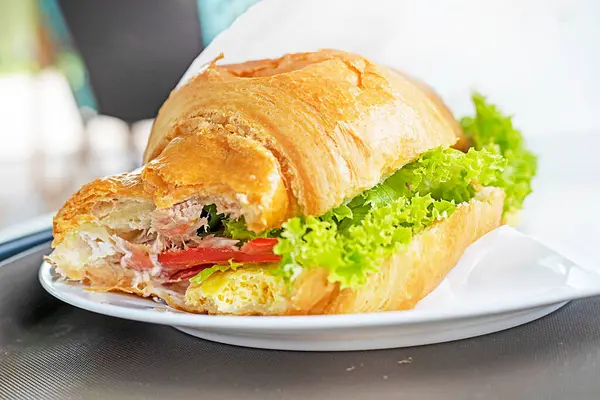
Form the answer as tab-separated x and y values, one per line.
317	183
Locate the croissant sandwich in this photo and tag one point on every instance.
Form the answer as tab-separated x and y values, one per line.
317	183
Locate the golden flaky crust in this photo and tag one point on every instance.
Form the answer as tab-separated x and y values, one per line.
113	279
79	208
271	139
330	124
195	165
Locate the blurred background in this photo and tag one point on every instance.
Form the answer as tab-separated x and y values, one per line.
81	80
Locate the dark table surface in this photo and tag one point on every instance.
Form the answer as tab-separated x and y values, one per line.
49	349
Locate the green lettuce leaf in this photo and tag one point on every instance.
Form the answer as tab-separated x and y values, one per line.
214	219
237	229
338	214
351	256
207	272
446	174
352	240
491	130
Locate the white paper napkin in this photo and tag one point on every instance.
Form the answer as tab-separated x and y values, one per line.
506	269
539	59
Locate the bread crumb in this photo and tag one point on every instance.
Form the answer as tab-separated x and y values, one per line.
352	368
406	361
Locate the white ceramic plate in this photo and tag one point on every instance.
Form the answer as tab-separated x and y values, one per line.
505	279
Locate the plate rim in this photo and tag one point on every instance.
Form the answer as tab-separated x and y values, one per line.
396	339
250	323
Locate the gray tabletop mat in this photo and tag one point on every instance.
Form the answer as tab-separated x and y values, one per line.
49	349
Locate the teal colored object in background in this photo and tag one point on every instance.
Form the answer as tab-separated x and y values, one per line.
216	15
67	59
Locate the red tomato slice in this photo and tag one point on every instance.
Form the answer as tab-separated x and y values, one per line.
182	259
259	246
